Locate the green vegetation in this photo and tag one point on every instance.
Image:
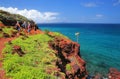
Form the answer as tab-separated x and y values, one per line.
0	22
8	30
1	35
46	31
60	35
38	58
11	17
68	67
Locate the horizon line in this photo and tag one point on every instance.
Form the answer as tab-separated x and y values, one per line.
74	23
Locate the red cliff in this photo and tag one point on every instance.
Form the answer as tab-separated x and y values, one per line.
69	60
114	74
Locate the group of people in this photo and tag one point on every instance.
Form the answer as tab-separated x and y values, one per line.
26	25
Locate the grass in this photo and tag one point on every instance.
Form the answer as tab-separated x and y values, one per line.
7	30
1	35
60	35
37	59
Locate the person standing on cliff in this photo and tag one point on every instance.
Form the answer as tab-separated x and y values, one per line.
17	25
24	25
28	27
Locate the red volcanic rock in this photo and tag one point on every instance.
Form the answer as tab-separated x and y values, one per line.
114	74
16	47
69	53
1	24
18	50
32	32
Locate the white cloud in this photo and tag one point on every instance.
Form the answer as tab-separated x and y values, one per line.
89	4
117	3
99	15
35	15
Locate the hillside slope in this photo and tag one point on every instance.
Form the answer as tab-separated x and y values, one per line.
9	19
40	55
32	58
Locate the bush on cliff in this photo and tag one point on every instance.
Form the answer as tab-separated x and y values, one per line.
7	31
68	67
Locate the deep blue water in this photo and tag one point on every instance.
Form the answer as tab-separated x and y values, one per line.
100	43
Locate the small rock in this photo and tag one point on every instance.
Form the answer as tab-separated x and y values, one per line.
6	35
18	50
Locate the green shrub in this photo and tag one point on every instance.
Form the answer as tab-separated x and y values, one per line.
1	35
8	30
68	67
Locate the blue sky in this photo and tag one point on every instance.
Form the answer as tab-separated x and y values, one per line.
75	11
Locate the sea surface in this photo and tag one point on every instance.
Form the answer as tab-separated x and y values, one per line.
100	44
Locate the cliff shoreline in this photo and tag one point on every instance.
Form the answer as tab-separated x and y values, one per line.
68	62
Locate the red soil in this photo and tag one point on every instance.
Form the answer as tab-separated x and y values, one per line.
2	45
1	24
32	32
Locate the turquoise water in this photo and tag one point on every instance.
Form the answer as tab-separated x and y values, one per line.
100	43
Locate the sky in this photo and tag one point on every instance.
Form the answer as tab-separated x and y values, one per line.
65	11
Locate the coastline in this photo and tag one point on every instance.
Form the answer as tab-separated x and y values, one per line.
41	32
5	63
99	44
65	58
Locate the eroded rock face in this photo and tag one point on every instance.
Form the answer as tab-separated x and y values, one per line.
114	74
69	54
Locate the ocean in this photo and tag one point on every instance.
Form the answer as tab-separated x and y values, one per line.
99	44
